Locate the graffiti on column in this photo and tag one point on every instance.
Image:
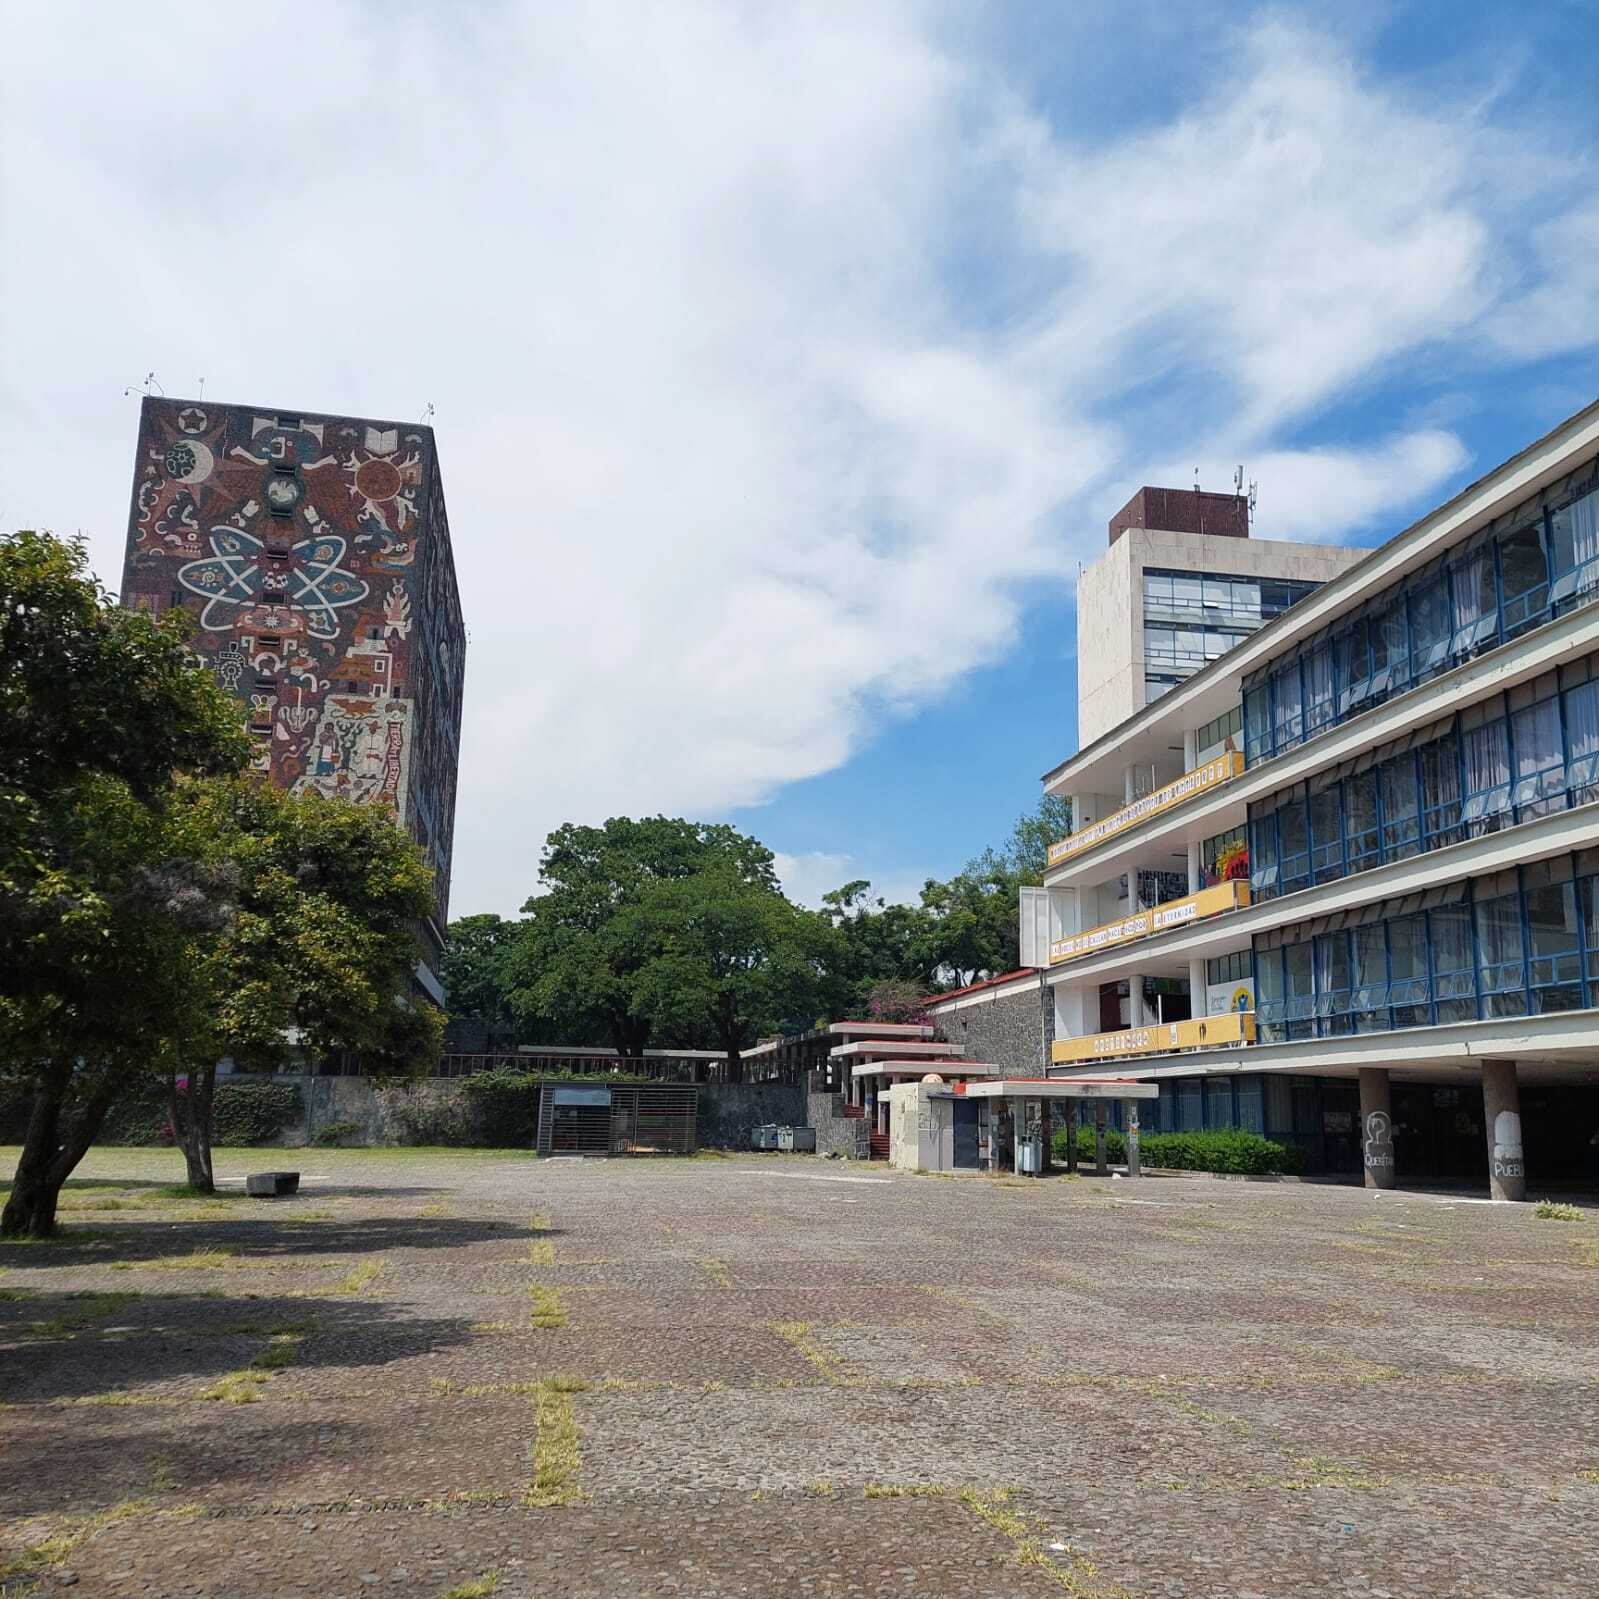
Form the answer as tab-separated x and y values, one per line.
1379	1141
1507	1156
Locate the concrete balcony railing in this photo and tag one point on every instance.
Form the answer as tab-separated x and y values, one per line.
1201	780
1208	902
1230	1029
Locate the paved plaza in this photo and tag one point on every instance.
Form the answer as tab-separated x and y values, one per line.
479	1372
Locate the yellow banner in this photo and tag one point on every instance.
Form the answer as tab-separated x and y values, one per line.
1232	1027
1219	770
1160	919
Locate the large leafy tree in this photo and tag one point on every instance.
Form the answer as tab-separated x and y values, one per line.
317	954
730	958
879	942
473	969
578	960
102	712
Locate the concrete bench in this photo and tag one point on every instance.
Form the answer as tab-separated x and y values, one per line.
270	1184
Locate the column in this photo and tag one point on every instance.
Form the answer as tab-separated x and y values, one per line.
1376	1126
1101	1165
1045	1163
1135	999
1501	1114
1190	750
1069	1110
1130	781
1197	984
1194	881
1130	1116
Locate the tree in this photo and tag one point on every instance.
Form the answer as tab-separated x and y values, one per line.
473	968
732	957
101	712
878	942
577	959
317	955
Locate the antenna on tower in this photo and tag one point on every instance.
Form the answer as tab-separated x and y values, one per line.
1254	490
1196	480
149	379
202	388
1238	480
427	413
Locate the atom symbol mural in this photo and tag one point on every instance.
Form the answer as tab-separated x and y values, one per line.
236	573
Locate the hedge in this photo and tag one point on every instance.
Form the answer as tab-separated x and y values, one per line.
1229	1151
247	1112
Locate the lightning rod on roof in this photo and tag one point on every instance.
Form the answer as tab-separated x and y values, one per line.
427	413
149	379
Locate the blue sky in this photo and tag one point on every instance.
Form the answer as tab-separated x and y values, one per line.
788	359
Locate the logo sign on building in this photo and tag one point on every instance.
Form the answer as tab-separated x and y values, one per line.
1220	770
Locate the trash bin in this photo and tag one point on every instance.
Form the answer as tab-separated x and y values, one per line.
802	1139
764	1137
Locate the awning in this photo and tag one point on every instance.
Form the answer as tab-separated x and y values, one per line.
920	1068
1062	1088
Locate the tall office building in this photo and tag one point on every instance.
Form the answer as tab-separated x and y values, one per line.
1180	585
314	552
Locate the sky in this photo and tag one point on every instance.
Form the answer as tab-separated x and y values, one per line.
787	361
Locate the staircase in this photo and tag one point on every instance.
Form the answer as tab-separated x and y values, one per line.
879	1145
857	1111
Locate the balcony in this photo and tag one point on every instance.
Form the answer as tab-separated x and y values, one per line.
1199	781
1230	1029
1224	897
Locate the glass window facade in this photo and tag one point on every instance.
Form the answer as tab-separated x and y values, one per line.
1510	759
1522	942
1529	568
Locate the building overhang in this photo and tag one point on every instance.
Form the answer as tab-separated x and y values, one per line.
920	1068
1062	1088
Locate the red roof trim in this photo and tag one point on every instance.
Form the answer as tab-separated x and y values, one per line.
935	1000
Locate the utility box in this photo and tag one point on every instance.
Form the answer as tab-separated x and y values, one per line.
802	1139
764	1137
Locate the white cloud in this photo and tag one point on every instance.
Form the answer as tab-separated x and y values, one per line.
734	464
809	875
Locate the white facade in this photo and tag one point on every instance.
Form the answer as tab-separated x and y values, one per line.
1414	784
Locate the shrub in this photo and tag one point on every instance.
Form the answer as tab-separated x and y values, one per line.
252	1110
1550	1210
1229	1151
504	1105
336	1135
420	1113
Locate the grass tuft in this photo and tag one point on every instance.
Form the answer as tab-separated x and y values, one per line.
557	1460
1550	1210
478	1588
546	1308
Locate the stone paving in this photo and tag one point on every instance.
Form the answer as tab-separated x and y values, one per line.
474	1373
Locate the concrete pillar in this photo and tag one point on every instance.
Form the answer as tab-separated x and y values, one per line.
1501	1114
1190	750
1069	1109
1376	1127
1130	1115
1135	1000
1197	984
1194	874
1101	1165
1130	780
1044	1119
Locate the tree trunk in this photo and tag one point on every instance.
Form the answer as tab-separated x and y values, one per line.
56	1141
197	1145
631	1035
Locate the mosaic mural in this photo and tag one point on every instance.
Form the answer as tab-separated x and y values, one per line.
315	555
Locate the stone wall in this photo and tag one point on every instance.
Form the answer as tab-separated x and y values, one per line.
1007	1031
727	1111
836	1133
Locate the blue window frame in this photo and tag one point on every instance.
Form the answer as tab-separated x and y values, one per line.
1399	795
1483	594
1501	955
